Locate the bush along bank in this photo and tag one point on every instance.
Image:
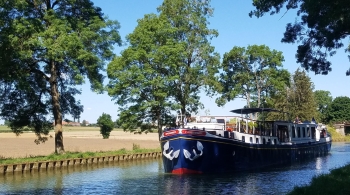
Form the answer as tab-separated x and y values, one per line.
337	137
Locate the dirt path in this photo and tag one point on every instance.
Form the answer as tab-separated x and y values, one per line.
74	141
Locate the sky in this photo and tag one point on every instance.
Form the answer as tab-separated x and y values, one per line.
235	28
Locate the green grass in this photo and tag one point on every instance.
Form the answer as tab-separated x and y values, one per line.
336	137
336	182
70	155
4	129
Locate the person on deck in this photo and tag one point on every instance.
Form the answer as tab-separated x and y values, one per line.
313	120
297	120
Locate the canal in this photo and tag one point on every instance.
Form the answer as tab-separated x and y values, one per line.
148	177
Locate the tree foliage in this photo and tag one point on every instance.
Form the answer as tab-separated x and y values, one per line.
322	28
48	47
253	73
297	99
106	125
279	101
139	78
338	111
195	63
7	123
84	123
168	62
301	99
323	100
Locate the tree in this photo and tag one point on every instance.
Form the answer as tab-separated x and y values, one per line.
7	123
116	124
106	125
47	48
323	27
67	121
165	66
297	99
300	97
139	80
84	123
338	111
323	100
252	74
279	101
195	64
76	110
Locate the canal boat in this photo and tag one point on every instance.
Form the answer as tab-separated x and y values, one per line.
218	147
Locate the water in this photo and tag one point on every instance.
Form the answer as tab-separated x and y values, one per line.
148	177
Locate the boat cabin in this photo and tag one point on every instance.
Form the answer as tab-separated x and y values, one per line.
276	132
263	132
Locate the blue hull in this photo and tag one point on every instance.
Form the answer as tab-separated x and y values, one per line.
202	154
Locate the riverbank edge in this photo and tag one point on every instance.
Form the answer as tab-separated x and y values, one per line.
54	164
335	182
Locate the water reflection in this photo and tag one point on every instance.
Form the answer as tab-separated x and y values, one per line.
148	177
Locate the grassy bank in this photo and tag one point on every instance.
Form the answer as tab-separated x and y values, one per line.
336	137
336	182
71	155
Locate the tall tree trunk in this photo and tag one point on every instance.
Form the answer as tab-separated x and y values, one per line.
183	115
59	148
259	101
248	103
159	118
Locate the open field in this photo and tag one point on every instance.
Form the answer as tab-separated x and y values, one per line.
75	139
4	128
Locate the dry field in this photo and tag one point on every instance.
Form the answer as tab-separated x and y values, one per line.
75	139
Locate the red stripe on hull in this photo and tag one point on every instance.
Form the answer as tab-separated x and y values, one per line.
185	171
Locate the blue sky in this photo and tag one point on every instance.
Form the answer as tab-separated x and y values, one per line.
235	28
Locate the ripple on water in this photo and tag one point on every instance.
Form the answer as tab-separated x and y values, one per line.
148	177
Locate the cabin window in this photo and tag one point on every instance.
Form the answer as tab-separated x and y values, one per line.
275	141
282	132
298	132
304	132
308	131
293	132
251	140
243	139
257	140
264	141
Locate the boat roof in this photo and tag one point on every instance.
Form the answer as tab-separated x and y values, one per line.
253	110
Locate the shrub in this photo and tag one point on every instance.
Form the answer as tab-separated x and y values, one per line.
106	125
135	146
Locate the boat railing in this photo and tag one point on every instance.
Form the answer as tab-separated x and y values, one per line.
265	134
258	139
267	139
